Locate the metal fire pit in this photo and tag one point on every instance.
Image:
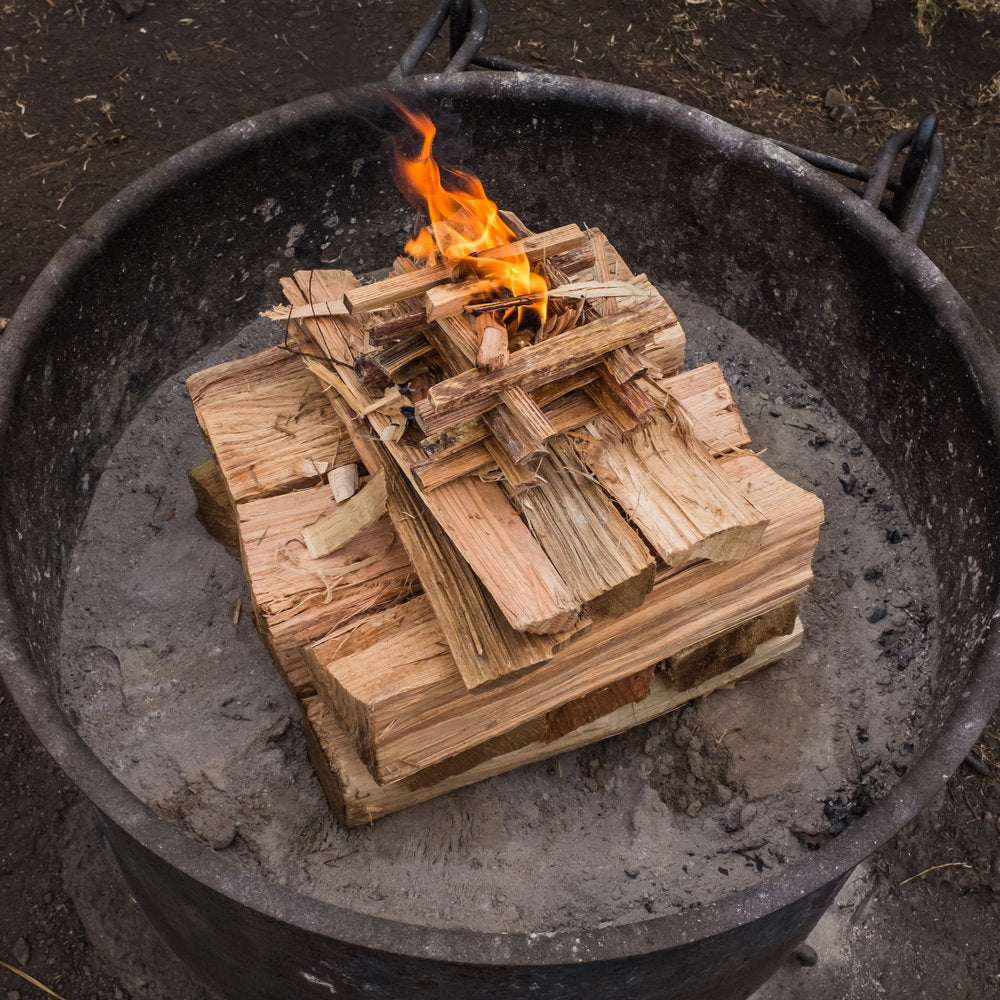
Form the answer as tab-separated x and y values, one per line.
179	260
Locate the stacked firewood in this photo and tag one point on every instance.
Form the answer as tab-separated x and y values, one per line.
467	550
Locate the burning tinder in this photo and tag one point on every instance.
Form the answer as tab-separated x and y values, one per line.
463	222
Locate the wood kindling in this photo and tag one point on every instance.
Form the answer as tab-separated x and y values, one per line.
702	391
470	394
396	358
406	286
624	365
494	350
398	328
459	301
333	530
520	426
452	299
283	313
626	404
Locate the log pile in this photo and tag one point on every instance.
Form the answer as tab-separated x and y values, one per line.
468	551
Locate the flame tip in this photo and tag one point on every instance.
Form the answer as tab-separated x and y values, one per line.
463	220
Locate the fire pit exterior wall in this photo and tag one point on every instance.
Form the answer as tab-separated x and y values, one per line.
192	251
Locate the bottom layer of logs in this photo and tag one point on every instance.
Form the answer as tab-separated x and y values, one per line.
357	799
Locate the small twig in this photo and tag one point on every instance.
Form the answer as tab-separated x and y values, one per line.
32	980
934	868
59	203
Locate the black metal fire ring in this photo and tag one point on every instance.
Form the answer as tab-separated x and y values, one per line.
163	841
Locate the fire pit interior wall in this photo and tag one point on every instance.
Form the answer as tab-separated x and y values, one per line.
193	251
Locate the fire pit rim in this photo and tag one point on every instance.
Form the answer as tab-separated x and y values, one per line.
226	877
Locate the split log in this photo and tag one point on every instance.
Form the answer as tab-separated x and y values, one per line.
511	564
215	508
698	663
409	709
296	596
356	798
603	701
268	423
670	487
605	564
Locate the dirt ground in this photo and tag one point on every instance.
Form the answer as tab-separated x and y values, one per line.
90	97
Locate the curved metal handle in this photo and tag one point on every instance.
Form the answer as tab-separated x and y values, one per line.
914	189
467	30
918	180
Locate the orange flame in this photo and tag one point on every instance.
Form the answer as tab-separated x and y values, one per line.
463	220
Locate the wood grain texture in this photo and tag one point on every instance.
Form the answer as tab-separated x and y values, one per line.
669	485
268	423
356	798
606	565
418	712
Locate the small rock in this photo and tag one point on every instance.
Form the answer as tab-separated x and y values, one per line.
694	808
893	536
21	951
130	7
877	615
841	18
632	872
839	108
212	827
13	995
682	736
848	483
723	793
806	954
748	814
